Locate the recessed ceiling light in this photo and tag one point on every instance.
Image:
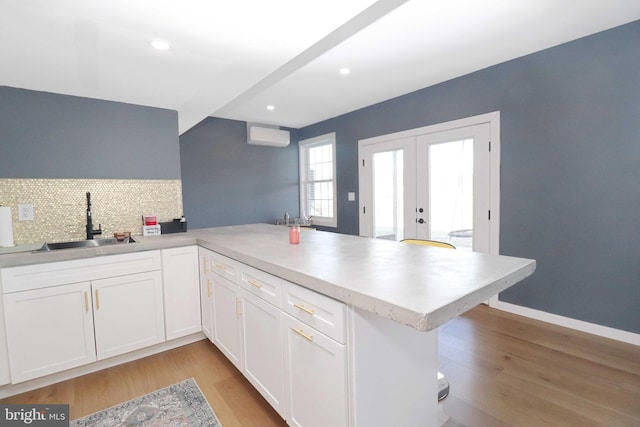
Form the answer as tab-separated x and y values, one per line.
270	107
160	45
345	71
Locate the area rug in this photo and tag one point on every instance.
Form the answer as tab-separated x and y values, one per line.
181	404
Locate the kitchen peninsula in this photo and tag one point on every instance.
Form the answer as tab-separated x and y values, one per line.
418	286
371	306
396	296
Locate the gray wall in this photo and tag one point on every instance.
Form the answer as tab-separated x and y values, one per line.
225	181
45	135
570	168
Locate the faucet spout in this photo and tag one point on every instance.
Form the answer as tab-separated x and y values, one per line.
90	231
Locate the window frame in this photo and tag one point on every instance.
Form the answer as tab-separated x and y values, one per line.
303	151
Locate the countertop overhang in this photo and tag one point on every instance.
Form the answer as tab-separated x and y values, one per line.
419	286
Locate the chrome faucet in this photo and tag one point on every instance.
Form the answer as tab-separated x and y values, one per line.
90	231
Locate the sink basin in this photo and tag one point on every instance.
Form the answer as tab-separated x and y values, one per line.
82	244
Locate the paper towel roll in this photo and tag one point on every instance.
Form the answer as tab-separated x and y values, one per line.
6	227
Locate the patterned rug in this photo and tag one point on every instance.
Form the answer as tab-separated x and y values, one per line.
181	404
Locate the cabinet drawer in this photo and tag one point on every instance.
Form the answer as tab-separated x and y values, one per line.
225	267
323	313
261	284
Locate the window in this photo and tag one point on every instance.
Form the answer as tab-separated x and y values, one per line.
318	179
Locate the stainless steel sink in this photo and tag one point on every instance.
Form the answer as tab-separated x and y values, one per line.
82	244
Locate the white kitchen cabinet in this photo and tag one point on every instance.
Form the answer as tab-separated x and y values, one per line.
263	361
225	267
62	315
181	291
128	313
297	362
5	377
36	276
261	284
316	377
206	292
316	358
318	311
227	312
49	330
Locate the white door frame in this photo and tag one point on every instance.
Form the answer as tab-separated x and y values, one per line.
493	119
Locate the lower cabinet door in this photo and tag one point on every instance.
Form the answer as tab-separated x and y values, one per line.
316	374
5	373
49	330
128	313
263	361
181	291
227	312
206	293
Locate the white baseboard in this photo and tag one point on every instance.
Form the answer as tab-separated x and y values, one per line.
567	322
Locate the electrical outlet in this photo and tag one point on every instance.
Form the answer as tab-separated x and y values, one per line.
25	212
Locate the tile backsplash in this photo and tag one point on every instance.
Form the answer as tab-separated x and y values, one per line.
59	206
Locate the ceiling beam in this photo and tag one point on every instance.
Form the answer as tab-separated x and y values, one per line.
362	20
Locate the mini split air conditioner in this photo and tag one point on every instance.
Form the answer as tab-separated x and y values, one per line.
274	137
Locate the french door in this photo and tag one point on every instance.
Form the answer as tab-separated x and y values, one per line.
431	183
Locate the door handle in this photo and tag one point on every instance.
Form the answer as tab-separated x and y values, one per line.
310	311
421	221
301	332
255	283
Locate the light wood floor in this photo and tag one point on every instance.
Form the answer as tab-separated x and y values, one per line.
507	370
504	370
233	399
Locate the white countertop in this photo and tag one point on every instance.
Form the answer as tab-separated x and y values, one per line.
419	286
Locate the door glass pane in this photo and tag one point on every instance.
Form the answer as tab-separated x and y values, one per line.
451	193
388	195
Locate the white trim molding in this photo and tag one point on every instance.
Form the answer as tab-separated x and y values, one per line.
567	322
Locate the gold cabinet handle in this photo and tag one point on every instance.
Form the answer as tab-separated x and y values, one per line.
238	307
310	311
220	266
254	283
86	301
209	288
205	265
97	300
302	334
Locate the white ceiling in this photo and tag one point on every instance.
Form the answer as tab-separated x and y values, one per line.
232	58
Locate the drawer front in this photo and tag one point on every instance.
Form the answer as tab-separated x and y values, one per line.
261	284
225	267
318	311
24	278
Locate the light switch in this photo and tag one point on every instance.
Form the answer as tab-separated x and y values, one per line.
351	196
25	212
